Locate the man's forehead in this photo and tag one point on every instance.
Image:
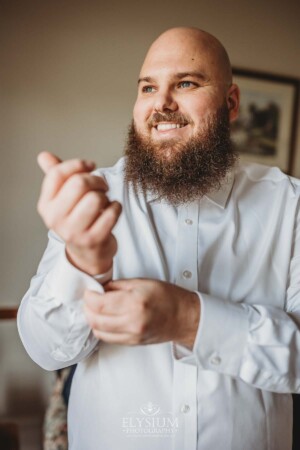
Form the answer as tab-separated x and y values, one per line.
186	49
178	64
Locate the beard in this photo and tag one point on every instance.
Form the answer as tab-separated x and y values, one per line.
181	172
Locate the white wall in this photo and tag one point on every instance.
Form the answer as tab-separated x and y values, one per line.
67	84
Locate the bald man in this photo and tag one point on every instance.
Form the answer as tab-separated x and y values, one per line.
172	278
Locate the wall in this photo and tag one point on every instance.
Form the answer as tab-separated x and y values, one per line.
67	84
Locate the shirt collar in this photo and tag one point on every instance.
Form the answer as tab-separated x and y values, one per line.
219	196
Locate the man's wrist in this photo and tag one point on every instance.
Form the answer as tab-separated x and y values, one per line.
189	318
92	265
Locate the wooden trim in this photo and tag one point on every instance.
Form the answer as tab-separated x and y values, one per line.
8	313
287	81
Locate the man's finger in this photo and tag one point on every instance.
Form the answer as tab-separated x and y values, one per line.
58	173
106	222
122	285
75	202
114	338
46	160
109	303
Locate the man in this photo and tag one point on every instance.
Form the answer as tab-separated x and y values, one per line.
184	322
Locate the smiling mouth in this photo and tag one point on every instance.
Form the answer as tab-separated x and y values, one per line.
169	126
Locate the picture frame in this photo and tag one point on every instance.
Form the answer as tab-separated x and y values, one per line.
265	131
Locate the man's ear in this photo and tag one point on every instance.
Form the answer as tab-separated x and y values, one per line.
233	101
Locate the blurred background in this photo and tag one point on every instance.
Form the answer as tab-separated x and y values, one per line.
68	80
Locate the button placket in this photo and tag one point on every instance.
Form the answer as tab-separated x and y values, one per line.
185	403
185	409
187	247
215	360
187	274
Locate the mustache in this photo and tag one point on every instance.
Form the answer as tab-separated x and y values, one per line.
169	116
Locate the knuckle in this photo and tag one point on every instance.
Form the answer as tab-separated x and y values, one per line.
93	199
78	182
71	165
78	164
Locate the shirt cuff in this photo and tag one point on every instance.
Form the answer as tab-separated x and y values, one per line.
182	353
222	335
59	305
67	283
104	277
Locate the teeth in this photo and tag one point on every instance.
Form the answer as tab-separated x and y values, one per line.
168	126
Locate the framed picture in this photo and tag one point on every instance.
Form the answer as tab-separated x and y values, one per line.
265	130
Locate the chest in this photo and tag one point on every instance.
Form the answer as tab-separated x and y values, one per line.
239	253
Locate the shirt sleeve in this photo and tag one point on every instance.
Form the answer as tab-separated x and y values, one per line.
258	344
51	321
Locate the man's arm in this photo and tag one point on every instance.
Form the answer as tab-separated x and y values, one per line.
74	204
51	322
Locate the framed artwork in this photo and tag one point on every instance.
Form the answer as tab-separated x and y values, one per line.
265	130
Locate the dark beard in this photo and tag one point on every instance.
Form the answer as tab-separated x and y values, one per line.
192	170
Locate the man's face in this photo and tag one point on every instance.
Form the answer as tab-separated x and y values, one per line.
179	144
179	89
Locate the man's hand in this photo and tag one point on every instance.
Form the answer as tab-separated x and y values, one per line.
73	203
142	311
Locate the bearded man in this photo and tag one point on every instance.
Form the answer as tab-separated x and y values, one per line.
184	322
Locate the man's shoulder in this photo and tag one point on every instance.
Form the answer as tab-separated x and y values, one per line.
115	178
267	176
115	171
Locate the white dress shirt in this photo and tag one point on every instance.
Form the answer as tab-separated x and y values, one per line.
239	248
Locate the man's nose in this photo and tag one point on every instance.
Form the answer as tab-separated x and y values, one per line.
165	101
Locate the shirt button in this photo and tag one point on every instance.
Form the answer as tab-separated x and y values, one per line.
188	221
215	360
185	409
187	274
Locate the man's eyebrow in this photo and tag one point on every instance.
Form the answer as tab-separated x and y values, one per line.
193	74
146	80
179	75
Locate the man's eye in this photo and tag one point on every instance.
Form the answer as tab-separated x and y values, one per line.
147	89
186	84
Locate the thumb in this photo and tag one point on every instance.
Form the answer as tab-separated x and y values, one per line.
46	160
121	285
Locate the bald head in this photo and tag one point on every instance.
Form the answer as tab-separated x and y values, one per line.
195	45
